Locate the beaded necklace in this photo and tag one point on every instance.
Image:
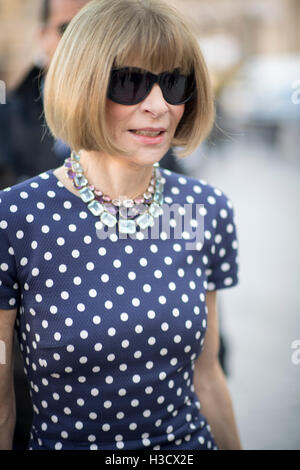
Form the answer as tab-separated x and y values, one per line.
127	213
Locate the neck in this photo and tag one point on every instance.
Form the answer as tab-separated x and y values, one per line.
114	176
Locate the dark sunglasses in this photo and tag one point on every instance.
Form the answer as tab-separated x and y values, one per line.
61	28
131	85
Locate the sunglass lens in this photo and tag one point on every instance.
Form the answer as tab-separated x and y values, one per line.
62	28
176	88
128	87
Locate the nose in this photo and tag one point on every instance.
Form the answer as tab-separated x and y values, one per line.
155	102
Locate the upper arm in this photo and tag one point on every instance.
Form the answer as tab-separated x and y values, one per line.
7	322
209	355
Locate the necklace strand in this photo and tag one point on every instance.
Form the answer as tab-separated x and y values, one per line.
127	213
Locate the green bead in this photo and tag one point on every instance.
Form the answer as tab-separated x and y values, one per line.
155	210
86	195
108	219
127	226
145	220
96	208
158	197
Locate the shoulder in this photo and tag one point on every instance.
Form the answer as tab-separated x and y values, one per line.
188	189
20	196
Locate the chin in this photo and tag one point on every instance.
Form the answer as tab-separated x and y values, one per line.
149	156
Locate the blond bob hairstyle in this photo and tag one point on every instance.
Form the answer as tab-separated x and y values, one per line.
115	33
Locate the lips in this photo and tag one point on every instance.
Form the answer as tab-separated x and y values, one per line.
148	132
148	137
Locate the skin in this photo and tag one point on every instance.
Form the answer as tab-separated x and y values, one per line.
129	176
48	36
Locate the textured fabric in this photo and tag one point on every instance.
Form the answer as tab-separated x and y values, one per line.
110	328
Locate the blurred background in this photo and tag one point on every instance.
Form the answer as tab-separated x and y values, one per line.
253	53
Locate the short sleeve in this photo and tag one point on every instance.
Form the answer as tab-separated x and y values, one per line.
9	287
224	269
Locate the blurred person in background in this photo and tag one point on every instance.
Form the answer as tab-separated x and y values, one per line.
26	148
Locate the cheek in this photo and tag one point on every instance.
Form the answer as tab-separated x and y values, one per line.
178	113
117	114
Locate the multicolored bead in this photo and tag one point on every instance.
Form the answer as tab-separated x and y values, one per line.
101	205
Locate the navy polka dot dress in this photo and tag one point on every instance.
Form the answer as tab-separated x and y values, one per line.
110	327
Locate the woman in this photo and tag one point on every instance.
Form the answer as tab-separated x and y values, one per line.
110	300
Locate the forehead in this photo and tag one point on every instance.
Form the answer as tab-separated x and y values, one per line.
62	11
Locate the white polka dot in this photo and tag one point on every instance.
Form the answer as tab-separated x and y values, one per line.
75	254
225	267
29	218
105	278
177	247
3	224
48	256
49	283
143	262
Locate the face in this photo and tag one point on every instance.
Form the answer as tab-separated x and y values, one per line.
130	126
61	13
